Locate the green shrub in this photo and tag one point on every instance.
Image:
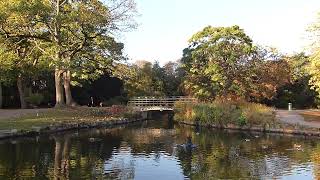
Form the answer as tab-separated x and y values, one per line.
223	112
242	120
184	112
226	111
258	114
35	99
205	113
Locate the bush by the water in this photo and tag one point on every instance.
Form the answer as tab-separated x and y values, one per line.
113	111
224	112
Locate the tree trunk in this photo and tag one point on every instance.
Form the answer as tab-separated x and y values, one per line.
21	92
57	159
59	89
67	88
1	97
65	164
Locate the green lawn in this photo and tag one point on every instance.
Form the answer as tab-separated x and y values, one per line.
55	116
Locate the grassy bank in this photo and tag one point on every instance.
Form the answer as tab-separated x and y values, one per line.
57	116
223	113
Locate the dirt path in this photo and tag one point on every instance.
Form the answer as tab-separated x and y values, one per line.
293	117
16	113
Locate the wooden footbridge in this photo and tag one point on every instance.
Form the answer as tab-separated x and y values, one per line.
158	103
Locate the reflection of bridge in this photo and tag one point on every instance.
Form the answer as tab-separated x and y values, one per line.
158	103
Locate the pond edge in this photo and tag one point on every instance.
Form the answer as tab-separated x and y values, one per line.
288	131
67	127
123	121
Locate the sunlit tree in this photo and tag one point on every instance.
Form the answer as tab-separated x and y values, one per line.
76	37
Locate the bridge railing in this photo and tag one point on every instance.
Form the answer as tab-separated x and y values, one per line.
159	101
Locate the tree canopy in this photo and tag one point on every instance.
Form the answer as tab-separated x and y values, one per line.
144	78
314	65
75	43
76	37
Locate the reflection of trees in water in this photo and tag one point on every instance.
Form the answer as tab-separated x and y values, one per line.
66	156
61	157
315	157
221	155
150	140
19	160
120	167
91	154
110	153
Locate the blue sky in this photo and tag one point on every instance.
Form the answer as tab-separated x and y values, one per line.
166	25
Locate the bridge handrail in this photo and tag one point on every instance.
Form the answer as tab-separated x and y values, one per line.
159	101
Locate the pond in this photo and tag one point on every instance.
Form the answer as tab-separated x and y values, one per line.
150	150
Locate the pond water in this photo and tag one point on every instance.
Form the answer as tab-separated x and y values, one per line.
150	150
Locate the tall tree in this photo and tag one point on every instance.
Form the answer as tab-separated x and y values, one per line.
5	77
298	66
218	62
297	90
65	30
139	79
18	59
173	75
269	71
146	79
314	66
157	77
223	62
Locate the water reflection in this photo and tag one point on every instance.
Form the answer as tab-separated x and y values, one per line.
150	150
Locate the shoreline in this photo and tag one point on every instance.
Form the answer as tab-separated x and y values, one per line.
283	131
66	127
282	128
124	121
